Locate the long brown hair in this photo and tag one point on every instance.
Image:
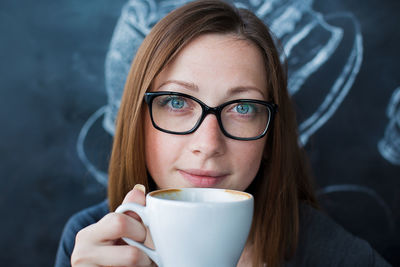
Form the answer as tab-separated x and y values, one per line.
282	181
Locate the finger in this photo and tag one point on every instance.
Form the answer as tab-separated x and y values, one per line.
136	195
120	256
112	227
149	240
123	256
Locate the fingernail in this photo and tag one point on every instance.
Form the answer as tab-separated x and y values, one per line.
140	187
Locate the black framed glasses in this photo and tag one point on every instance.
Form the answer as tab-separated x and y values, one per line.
240	119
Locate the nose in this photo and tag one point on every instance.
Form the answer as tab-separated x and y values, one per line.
208	140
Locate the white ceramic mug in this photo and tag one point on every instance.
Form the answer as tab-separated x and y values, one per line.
195	227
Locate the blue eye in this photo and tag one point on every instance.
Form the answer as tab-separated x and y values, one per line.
172	102
244	108
177	103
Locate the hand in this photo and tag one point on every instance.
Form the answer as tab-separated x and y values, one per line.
100	244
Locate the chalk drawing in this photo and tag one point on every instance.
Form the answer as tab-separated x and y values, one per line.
99	175
308	39
389	146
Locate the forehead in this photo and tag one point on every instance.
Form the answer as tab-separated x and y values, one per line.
217	61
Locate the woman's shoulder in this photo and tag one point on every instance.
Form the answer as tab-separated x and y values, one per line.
75	223
85	218
323	242
88	216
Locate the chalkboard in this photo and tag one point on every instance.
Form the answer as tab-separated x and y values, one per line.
61	74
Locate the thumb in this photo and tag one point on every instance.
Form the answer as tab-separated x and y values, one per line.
136	195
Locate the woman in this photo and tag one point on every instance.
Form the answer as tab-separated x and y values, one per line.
203	55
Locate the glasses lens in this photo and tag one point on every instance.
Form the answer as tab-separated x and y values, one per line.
175	113
245	119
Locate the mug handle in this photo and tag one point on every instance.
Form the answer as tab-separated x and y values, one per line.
142	212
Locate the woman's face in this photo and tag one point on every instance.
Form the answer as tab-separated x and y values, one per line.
214	68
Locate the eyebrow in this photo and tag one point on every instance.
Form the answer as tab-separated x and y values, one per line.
187	85
240	89
231	91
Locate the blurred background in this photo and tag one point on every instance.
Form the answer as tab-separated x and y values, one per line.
62	69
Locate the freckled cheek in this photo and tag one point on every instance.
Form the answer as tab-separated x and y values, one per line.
162	156
247	161
164	147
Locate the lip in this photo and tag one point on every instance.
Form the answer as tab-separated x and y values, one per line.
203	178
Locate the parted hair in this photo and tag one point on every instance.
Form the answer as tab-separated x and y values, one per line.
283	180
